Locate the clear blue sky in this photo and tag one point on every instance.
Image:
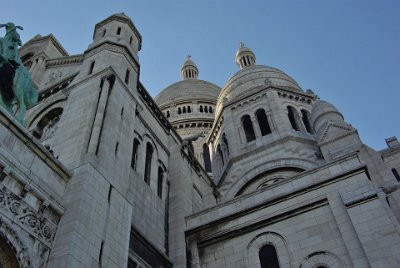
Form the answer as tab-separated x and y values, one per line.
347	51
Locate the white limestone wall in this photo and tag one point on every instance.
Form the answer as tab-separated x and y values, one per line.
332	221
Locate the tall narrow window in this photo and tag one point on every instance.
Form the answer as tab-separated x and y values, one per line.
396	174
219	152
160	182
205	109
189	109
130	40
116	148
211	110
268	257
127	76
206	157
91	67
119	31
225	140
248	128
179	110
201	108
104	32
263	122
305	116
168	115
136	144
147	167
292	118
184	109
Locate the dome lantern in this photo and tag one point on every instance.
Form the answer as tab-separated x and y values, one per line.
245	57
189	69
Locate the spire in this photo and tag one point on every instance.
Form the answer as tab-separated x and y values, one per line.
245	57
189	69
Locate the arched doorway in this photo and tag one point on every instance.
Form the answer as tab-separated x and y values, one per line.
7	256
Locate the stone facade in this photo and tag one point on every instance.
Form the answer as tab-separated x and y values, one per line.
257	173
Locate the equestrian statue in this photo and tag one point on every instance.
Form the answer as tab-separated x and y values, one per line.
16	83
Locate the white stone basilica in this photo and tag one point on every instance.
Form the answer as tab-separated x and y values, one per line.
258	174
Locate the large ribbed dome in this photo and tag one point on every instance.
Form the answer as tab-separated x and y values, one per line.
189	89
254	77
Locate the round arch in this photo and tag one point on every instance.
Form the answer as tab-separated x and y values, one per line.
12	247
268	238
324	259
42	108
298	163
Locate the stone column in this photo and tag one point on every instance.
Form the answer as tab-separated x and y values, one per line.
98	120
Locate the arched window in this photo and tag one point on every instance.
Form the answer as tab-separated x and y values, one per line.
160	182
119	31
189	109
263	122
147	167
219	152
135	148
206	157
248	128
179	110
305	116
210	109
47	124
292	118
168	115
225	141
268	257
205	109
201	108
184	110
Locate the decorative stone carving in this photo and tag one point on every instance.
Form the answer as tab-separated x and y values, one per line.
25	216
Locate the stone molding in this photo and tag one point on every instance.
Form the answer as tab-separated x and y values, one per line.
65	60
322	258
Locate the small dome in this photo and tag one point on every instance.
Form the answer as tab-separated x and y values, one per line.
322	112
188	89
189	69
245	57
254	77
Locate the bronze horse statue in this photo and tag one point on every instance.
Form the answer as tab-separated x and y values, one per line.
15	80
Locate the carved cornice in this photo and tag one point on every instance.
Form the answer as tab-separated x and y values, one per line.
34	222
65	60
294	96
153	107
249	101
45	93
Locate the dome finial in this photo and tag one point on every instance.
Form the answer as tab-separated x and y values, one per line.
245	57
189	69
